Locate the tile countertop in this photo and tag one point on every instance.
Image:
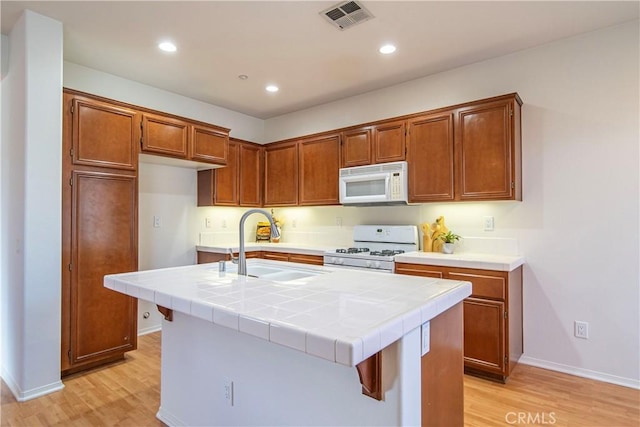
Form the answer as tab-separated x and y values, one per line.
340	315
463	260
298	248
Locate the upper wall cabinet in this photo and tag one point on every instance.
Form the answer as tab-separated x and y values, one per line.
169	136
103	134
430	157
389	142
250	174
209	144
239	183
165	135
281	174
357	147
488	154
319	160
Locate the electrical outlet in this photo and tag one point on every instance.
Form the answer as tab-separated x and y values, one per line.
228	391
207	222
488	223
294	223
426	337
339	221
581	329
224	223
157	222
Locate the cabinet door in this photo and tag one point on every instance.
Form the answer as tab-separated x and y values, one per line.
104	135
389	142
281	174
430	158
226	179
485	152
356	147
250	177
484	335
209	145
165	135
319	161
103	241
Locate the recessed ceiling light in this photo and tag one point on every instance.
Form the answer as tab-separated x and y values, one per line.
272	88
387	49
167	47
243	77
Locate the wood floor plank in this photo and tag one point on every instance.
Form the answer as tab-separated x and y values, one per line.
127	394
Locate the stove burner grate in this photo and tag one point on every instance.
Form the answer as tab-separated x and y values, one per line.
387	252
352	250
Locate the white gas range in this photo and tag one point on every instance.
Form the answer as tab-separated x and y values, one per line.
374	247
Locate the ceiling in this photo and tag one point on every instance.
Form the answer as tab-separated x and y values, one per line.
290	44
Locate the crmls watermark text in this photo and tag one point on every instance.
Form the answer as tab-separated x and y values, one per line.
539	418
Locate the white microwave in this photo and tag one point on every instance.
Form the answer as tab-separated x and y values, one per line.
381	184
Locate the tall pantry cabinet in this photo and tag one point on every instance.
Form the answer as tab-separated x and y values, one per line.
99	229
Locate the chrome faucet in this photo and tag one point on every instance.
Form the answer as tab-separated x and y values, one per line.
242	258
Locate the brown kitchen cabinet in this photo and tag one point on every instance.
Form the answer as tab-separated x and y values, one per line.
206	257
102	134
165	136
239	183
357	147
430	158
99	230
493	340
488	153
319	163
209	144
389	142
281	174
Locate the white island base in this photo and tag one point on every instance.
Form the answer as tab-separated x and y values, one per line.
213	375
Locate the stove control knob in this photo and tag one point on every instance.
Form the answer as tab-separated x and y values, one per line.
368	264
376	264
340	261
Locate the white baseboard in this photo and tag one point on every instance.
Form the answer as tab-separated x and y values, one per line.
580	372
22	396
149	330
168	418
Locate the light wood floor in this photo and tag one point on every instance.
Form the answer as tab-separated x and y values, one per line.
128	394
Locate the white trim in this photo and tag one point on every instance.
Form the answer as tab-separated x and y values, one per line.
149	330
22	396
168	418
581	372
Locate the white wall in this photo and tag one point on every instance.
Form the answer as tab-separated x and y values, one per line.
31	207
169	193
580	166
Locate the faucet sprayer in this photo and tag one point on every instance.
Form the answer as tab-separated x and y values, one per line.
242	258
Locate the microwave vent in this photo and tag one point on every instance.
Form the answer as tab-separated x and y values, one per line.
346	14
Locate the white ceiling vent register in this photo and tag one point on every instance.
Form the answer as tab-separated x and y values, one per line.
346	14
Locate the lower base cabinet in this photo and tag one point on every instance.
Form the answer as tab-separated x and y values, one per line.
206	257
492	317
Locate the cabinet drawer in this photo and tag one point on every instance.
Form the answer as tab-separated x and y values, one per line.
306	259
277	256
484	286
419	270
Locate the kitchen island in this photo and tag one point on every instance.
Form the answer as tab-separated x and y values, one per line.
305	345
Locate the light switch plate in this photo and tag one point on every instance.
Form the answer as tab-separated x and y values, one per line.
488	223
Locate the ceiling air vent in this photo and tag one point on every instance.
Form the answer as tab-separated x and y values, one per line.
346	14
